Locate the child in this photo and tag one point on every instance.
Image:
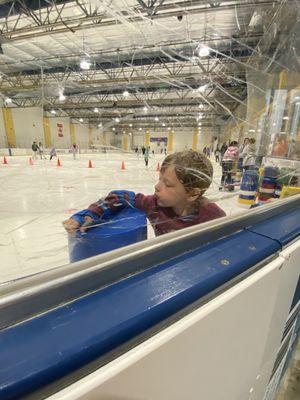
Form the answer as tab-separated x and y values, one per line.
52	153
177	202
230	156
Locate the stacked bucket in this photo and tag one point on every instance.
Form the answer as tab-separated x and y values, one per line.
268	184
249	187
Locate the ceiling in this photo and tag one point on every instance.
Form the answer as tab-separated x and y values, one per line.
145	62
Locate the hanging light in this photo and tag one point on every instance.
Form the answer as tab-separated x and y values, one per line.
203	50
96	110
130	125
156	119
126	93
8	100
163	124
62	97
140	129
113	129
202	88
53	112
117	120
80	120
85	64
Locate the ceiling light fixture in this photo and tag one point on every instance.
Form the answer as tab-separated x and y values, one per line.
85	64
126	93
163	124
62	97
96	110
156	119
202	88
145	109
80	120
53	112
140	129
130	125
113	129
8	100
99	125
203	50
117	120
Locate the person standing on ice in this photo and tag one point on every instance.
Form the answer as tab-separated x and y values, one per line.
177	202
53	153
146	155
35	149
74	150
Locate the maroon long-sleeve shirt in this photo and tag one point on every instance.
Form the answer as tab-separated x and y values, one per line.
162	219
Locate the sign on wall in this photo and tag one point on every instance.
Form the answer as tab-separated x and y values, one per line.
159	139
59	129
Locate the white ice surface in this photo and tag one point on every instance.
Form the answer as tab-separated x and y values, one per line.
36	199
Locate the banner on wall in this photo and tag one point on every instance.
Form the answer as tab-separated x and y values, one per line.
59	129
159	139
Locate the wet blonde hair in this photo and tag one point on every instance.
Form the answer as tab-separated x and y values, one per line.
193	169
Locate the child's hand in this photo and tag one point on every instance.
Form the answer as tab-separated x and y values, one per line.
71	225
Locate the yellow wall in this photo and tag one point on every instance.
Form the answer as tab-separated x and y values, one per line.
125	141
47	132
72	133
170	141
147	138
9	127
195	139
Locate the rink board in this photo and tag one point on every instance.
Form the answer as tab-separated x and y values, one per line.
54	346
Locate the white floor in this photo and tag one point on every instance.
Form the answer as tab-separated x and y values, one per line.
35	199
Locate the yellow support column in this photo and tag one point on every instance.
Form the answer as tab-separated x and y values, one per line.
170	141
282	79
9	127
147	138
72	133
47	132
125	141
195	139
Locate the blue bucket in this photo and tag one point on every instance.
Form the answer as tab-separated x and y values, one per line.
126	227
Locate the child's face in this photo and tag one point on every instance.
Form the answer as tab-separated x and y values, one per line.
170	192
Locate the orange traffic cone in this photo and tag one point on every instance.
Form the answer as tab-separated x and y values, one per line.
158	167
30	161
58	163
123	166
5	160
90	164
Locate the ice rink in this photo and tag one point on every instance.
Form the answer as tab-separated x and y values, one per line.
35	199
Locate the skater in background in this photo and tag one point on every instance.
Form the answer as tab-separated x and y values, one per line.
248	155
41	151
165	151
52	153
74	150
223	149
241	153
35	149
231	155
177	202
217	154
146	155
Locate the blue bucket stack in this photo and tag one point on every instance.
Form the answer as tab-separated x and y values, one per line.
249	187
128	226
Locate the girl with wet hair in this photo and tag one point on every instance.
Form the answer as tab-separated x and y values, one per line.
177	202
